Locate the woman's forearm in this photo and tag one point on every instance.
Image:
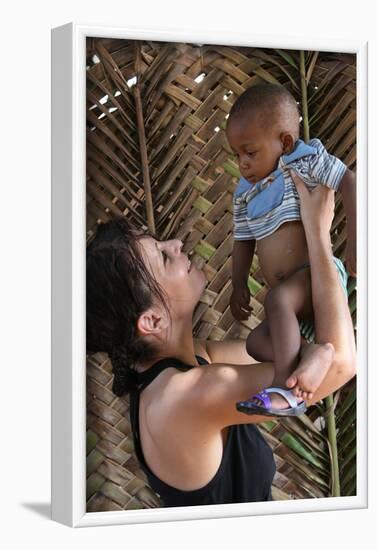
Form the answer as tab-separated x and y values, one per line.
332	319
331	314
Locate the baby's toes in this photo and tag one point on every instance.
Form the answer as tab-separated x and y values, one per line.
295	391
256	401
304	386
291	382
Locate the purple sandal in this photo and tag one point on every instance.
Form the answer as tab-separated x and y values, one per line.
249	407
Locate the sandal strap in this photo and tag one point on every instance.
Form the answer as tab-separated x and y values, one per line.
287	394
264	397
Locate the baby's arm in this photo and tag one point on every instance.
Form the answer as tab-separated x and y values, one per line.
242	257
348	191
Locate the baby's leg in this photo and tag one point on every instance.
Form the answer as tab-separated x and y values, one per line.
283	305
258	343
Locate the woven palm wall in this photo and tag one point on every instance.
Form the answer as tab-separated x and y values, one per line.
157	153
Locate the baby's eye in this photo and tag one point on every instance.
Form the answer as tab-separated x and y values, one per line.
250	153
164	256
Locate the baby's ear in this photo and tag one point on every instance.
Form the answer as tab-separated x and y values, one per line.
287	142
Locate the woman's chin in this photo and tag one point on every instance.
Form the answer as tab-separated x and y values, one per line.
199	271
198	279
203	279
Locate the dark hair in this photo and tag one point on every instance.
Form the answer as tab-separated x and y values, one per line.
266	100
119	288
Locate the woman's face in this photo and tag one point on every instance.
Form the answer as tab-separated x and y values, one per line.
180	279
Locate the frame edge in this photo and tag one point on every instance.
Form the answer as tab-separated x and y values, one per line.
61	273
79	32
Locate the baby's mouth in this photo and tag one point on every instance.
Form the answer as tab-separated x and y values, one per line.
252	179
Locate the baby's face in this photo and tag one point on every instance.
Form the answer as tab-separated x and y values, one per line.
258	150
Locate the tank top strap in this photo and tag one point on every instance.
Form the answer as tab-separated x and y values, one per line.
143	380
146	377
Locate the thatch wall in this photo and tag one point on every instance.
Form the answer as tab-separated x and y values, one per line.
157	153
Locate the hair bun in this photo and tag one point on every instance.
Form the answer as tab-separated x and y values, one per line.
125	377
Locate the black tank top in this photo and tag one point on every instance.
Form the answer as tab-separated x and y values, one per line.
246	470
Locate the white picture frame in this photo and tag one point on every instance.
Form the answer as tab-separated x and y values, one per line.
68	278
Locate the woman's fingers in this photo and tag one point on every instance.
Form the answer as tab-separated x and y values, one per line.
317	206
300	185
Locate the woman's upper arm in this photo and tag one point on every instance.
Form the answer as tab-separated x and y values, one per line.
213	392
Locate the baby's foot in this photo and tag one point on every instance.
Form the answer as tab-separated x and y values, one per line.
314	364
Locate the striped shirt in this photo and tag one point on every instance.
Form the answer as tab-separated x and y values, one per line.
260	209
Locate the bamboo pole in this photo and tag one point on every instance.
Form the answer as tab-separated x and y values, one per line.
331	432
143	146
329	401
304	97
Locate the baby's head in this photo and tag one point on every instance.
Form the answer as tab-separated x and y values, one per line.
263	124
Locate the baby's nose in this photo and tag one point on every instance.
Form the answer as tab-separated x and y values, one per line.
244	163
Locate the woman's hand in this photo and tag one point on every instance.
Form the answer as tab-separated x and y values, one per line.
317	207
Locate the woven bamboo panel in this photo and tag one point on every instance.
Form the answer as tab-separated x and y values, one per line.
114	478
187	173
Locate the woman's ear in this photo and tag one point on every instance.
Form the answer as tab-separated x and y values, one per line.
287	142
152	321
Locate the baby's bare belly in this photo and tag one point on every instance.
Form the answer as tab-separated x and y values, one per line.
283	252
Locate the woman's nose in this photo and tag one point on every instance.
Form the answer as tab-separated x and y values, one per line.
175	246
178	245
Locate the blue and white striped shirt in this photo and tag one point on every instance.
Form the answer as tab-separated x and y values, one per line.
260	209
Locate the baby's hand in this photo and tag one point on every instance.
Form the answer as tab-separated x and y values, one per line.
239	303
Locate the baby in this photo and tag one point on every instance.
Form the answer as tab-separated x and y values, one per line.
263	132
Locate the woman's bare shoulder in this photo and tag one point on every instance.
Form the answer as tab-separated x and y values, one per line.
206	396
225	351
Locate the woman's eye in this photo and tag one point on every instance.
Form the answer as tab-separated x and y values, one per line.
250	153
164	256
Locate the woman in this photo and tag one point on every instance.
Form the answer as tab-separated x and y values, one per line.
194	445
